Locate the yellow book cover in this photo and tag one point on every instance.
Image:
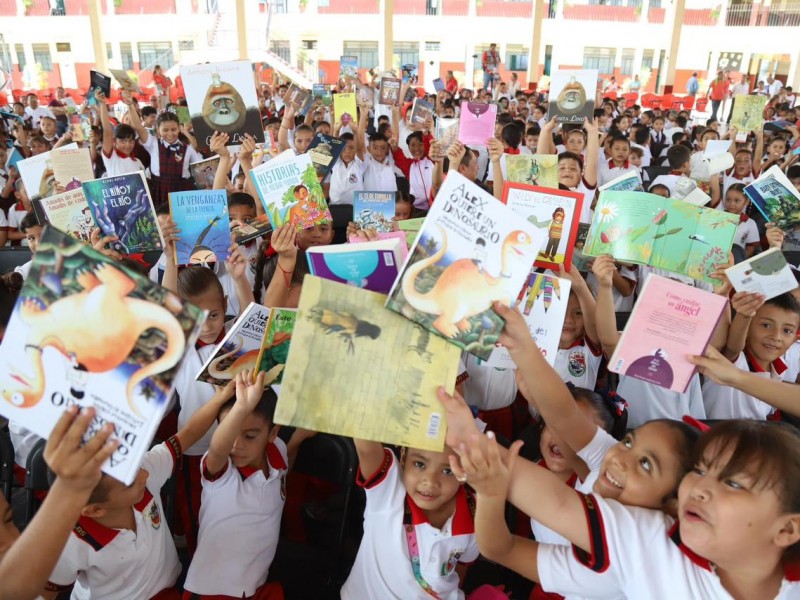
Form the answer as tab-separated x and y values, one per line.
344	108
358	370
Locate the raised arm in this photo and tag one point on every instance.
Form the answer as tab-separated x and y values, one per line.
218	147
286	124
607	334
202	420
370	456
280	291
495	148
360	140
136	120
592	152
105	122
758	154
545	145
745	304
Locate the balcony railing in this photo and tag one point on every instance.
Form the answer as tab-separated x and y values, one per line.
759	15
504	8
455	8
656	15
347	7
414	7
700	16
145	7
588	12
8	8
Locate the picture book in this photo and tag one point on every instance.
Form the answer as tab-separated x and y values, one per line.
204	171
125	81
97	81
775	197
239	350
344	108
69	213
686	189
386	235
748	113
554	213
202	217
627	182
184	116
410	74
290	191
71	166
411	227
275	345
343	344
324	151
438	84
421	111
717	157
121	206
543	304
80	128
533	169
767	273
572	95
372	265
251	229
87	331
322	93
472	250
374	210
447	131
348	67
581	262
476	124
222	97
37	173
389	92
295	96
646	229
365	95
670	320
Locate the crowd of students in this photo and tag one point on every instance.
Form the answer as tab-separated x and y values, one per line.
632	498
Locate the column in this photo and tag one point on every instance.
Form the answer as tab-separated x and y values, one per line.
98	43
638	54
672	56
793	79
241	28
388	34
536	40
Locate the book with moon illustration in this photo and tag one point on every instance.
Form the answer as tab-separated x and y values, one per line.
202	217
669	234
476	123
372	265
344	343
767	273
572	95
472	250
670	321
775	197
239	349
533	169
69	213
89	332
275	345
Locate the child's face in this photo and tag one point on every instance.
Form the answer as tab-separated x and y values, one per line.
635	160
241	213
168	131
238	183
348	152
402	211
119	495
538	114
8	531
254	436
772	331
776	148
417	148
39	148
379	149
572	330
531	141
742	165
319	235
796	183
429	481
620	152
125	145
558	455
575	143
32	234
569	172
658	124
735	202
48	127
710	135
149	121
212	301
324	128
302	140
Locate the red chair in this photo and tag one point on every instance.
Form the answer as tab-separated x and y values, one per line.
700	105
647	100
630	99
655	102
610	96
666	101
677	103
688	103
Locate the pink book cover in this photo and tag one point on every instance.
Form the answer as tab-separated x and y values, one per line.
669	321
386	235
477	123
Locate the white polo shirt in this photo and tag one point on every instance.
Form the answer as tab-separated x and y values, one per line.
647	401
240	514
117	163
579	364
723	402
607	171
345	180
36	114
120	563
746	232
488	388
792	361
382	569
191	156
729	178
378	177
16	213
588	197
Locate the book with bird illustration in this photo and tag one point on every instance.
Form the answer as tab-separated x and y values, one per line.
339	330
670	321
669	234
202	217
472	250
374	210
90	332
543	304
767	273
776	198
70	213
532	169
275	345
239	348
372	265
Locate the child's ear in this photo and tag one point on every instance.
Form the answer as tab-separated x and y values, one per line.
94	511
670	507
403	456
789	533
273	433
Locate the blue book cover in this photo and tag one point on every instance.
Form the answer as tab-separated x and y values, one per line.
372	265
374	210
202	217
776	198
348	67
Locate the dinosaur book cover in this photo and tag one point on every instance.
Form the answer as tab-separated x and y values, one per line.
86	331
275	346
670	320
121	206
533	169
374	210
665	233
202	217
239	349
371	265
776	198
70	213
472	250
343	346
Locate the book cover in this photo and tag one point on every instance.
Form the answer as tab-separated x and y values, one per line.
748	112
322	93
646	229
37	173
275	345
438	84
686	189
572	95
344	108
627	182
121	206
71	166
184	116
555	213
290	191
80	128
98	81
447	131
476	124
125	81
775	197
581	262
389	93
374	210
239	350
86	331
411	227
222	97
324	151
421	111
372	265
670	320
348	67
69	213
543	303
204	171
472	250
386	235
410	74
295	95
767	273
343	344
202	217
533	169
365	95
251	229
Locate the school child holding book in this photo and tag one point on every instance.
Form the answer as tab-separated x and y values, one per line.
376	165
419	168
301	135
736	203
679	158
118	144
532	137
625	281
346	177
578	175
16	213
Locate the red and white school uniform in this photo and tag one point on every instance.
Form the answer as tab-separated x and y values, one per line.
383	566
637	553
729	178
169	168
579	364
746	232
419	174
608	171
377	176
493	392
345	180
723	402
119	163
240	513
792	361
15	215
647	401
120	563
670	180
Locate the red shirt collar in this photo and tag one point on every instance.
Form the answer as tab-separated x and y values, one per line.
611	165
743	218
200	343
678	173
511	151
777	365
98	535
463	522
274	460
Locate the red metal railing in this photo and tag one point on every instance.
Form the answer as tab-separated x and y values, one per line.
145	7
455	8
585	12
348	7
656	15
503	8
700	16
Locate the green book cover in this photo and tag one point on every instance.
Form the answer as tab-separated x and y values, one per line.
275	345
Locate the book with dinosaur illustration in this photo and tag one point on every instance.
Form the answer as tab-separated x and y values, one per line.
389	92
670	321
289	189
69	213
204	171
411	228
324	151
767	273
275	345
627	182
374	210
71	167
251	229
344	108
55	353
669	234
326	387
37	174
472	250
532	169
554	212
122	207
239	349
776	198
322	93
202	217
371	265
543	303
447	132
476	124
421	111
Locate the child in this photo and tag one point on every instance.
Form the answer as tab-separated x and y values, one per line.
679	157
33	231
532	137
418	169
736	203
659	189
346	177
16	213
377	171
743	170
118	145
573	174
403	206
636	157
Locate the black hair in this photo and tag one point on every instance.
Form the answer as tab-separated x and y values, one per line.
793	172
641	136
785	302
512	135
571	156
678	136
414	135
241	199
680	121
148	111
678	156
684	450
165	117
195	280
347	136
652	188
124	132
28	221
10	285
534	130
303	128
618	137
377	137
264	409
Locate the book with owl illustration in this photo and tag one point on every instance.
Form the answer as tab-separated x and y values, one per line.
202	217
222	97
767	273
371	265
89	332
276	343
670	320
344	343
69	213
533	169
476	124
37	173
572	95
